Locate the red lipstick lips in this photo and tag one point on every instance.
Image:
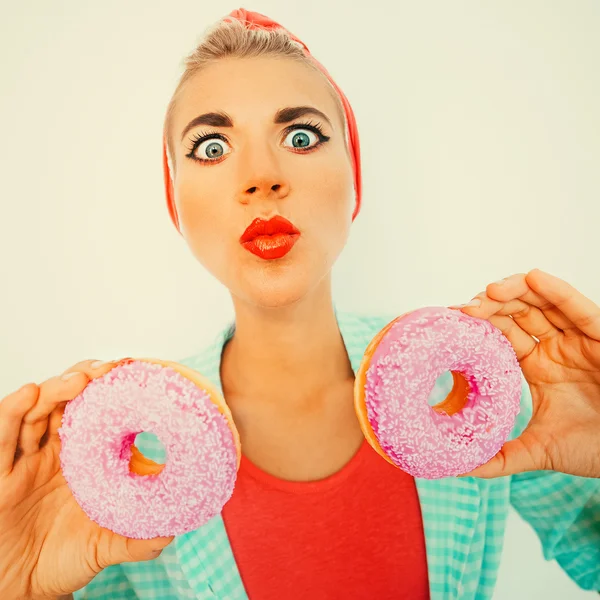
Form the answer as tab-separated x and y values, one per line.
270	239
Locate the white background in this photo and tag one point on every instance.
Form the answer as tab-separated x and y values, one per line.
480	131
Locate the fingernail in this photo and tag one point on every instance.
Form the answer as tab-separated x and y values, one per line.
97	364
474	302
500	282
68	376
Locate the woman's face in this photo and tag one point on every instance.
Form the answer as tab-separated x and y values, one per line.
266	163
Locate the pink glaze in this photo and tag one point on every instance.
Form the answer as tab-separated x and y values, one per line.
402	373
99	427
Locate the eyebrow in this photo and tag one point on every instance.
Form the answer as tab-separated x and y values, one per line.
284	115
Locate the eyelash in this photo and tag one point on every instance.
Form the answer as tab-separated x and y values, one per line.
198	138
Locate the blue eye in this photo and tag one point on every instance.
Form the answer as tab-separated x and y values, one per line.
211	149
214	150
301	138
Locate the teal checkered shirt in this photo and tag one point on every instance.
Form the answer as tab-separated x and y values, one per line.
463	518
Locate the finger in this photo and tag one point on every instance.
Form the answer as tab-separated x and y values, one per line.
12	410
54	423
119	549
580	310
30	436
55	390
529	318
141	550
522	343
95	368
516	286
513	288
54	393
514	457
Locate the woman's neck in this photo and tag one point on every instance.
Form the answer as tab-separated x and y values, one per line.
293	354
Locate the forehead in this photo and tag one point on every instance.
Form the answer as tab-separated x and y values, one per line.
252	89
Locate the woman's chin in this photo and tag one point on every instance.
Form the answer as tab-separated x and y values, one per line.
277	297
272	289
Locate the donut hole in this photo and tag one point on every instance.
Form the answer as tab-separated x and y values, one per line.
456	400
140	464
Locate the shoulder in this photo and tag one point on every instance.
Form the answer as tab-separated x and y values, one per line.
209	355
367	319
363	324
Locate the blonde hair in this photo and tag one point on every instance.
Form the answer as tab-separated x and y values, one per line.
227	39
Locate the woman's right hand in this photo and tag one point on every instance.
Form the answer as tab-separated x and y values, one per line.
48	545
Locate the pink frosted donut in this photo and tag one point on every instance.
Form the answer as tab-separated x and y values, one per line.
108	476
399	371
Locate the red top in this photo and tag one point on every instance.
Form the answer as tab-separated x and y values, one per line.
357	534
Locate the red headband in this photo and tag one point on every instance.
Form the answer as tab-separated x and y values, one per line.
254	20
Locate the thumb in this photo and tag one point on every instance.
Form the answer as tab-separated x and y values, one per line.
514	457
139	550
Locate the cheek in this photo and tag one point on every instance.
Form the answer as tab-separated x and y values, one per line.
193	204
200	219
330	189
332	179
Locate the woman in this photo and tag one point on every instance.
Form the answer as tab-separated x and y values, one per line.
256	131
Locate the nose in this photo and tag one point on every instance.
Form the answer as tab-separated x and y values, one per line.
264	188
261	175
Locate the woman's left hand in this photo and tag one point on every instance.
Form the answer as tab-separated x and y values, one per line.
562	369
